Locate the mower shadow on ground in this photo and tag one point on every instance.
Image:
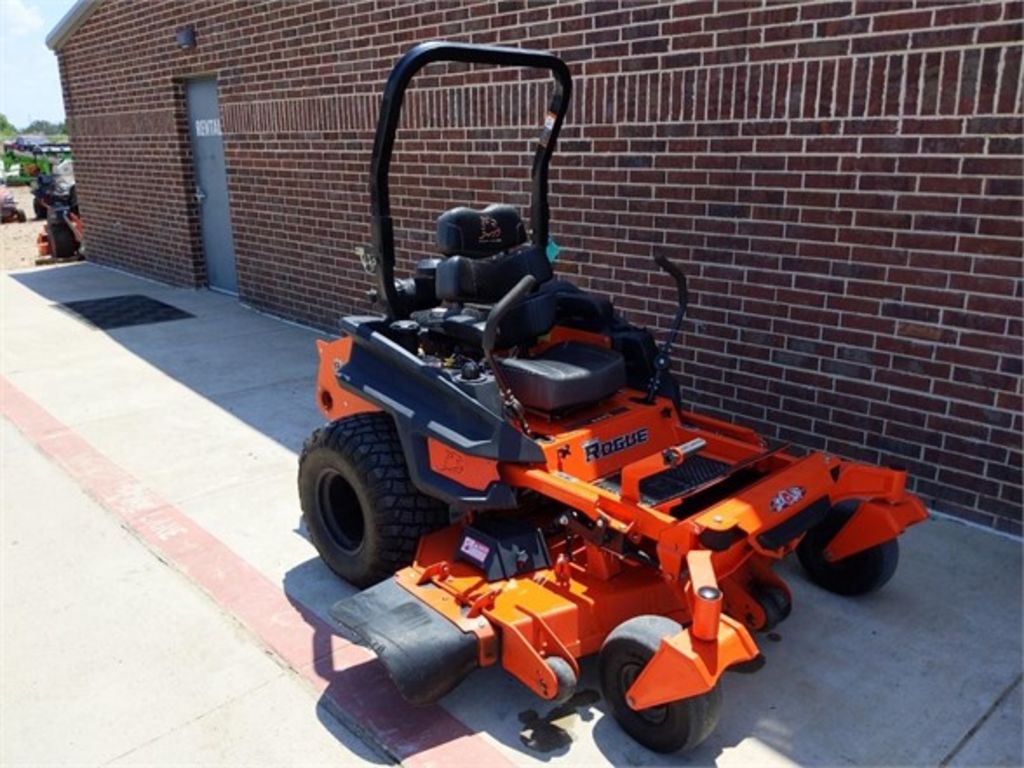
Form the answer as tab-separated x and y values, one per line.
361	694
492	702
540	731
896	677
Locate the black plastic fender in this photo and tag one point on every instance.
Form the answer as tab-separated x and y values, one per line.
426	403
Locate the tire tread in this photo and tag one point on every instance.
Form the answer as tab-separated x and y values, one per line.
860	573
691	721
402	513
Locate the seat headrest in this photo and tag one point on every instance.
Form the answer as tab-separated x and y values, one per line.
466	232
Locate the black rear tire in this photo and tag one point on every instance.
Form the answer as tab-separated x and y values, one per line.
673	727
20	216
38	208
363	513
62	240
857	574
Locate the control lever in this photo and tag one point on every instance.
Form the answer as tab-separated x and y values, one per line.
509	402
664	357
676	455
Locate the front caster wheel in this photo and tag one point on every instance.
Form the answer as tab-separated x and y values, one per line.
854	575
775	603
677	726
566	679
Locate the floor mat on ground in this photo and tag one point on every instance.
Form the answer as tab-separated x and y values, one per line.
122	311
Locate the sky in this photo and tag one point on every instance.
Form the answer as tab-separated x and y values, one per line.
29	83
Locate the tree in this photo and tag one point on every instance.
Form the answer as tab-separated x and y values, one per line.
6	126
45	127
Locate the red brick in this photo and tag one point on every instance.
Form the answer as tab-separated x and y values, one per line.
828	10
950	185
954	37
991	245
876	43
896	21
1009	82
972	14
1001	33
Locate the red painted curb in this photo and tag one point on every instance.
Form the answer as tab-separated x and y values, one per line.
349	676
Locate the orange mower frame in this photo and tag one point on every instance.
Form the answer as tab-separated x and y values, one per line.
568	610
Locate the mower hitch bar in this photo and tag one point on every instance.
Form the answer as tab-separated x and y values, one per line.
510	475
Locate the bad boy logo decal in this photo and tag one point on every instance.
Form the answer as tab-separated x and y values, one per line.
787	497
490	232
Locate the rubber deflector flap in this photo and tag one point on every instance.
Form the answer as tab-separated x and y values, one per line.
424	653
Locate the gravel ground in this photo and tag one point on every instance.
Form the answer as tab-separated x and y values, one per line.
18	241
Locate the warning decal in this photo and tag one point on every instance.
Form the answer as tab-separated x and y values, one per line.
474	550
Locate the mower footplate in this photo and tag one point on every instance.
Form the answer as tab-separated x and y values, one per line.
695	472
424	653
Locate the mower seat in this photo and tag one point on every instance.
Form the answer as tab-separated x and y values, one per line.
564	376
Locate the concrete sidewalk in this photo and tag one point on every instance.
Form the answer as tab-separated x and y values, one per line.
109	657
179	439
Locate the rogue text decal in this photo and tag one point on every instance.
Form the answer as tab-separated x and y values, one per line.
596	449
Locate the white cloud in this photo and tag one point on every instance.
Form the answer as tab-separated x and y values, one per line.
19	18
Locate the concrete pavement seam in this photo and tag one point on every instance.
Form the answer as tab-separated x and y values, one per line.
228	701
221	487
958	747
975	526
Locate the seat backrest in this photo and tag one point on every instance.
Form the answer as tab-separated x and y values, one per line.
486	281
478	234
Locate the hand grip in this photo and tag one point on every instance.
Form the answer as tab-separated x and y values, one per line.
498	312
677	274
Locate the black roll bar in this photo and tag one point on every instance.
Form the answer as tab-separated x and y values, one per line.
387	124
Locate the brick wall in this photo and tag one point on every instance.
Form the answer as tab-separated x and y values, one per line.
841	180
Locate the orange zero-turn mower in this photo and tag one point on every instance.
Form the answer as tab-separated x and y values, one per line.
510	473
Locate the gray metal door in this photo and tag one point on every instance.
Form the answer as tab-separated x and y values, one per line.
211	184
